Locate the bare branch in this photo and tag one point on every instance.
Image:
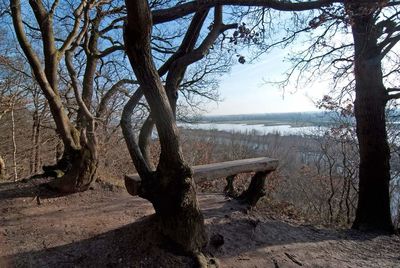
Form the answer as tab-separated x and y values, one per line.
108	95
27	48
75	84
390	44
392	90
53	7
72	35
178	11
127	129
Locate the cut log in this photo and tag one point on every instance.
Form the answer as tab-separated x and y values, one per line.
224	169
132	184
214	171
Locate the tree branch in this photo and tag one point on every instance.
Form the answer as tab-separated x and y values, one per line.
71	36
127	130
181	10
113	90
393	96
31	55
391	42
75	85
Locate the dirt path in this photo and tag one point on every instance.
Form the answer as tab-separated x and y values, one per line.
106	227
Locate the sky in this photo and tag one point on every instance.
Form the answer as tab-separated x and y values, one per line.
245	91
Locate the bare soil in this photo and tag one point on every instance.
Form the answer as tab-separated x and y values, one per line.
106	227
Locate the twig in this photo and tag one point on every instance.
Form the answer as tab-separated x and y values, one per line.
293	259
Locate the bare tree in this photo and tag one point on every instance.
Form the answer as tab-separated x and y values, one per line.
365	68
171	180
12	100
170	188
373	210
79	162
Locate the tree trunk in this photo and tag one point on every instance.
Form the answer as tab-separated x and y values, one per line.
145	140
176	206
75	171
171	188
36	144
14	143
373	210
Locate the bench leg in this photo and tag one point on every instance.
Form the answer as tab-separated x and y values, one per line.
256	188
230	188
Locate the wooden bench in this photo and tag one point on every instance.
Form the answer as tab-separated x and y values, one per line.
262	166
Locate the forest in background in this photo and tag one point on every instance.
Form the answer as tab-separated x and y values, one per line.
323	118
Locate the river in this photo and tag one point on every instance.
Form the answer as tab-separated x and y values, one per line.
284	130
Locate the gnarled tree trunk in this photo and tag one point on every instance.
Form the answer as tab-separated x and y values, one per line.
170	188
75	171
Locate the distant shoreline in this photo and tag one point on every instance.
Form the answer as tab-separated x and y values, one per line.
260	122
303	119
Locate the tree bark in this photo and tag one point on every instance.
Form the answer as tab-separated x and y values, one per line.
174	77
170	188
90	68
177	64
373	210
75	171
145	140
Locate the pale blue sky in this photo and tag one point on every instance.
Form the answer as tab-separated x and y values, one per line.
245	91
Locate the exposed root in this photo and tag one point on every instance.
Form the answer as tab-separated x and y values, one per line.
201	261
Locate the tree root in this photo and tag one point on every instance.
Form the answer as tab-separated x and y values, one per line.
201	261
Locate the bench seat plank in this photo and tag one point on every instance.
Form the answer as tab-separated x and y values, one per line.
224	169
214	171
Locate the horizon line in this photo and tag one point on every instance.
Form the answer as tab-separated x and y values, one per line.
318	111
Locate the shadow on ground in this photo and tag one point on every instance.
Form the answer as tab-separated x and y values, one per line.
133	245
137	244
28	189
